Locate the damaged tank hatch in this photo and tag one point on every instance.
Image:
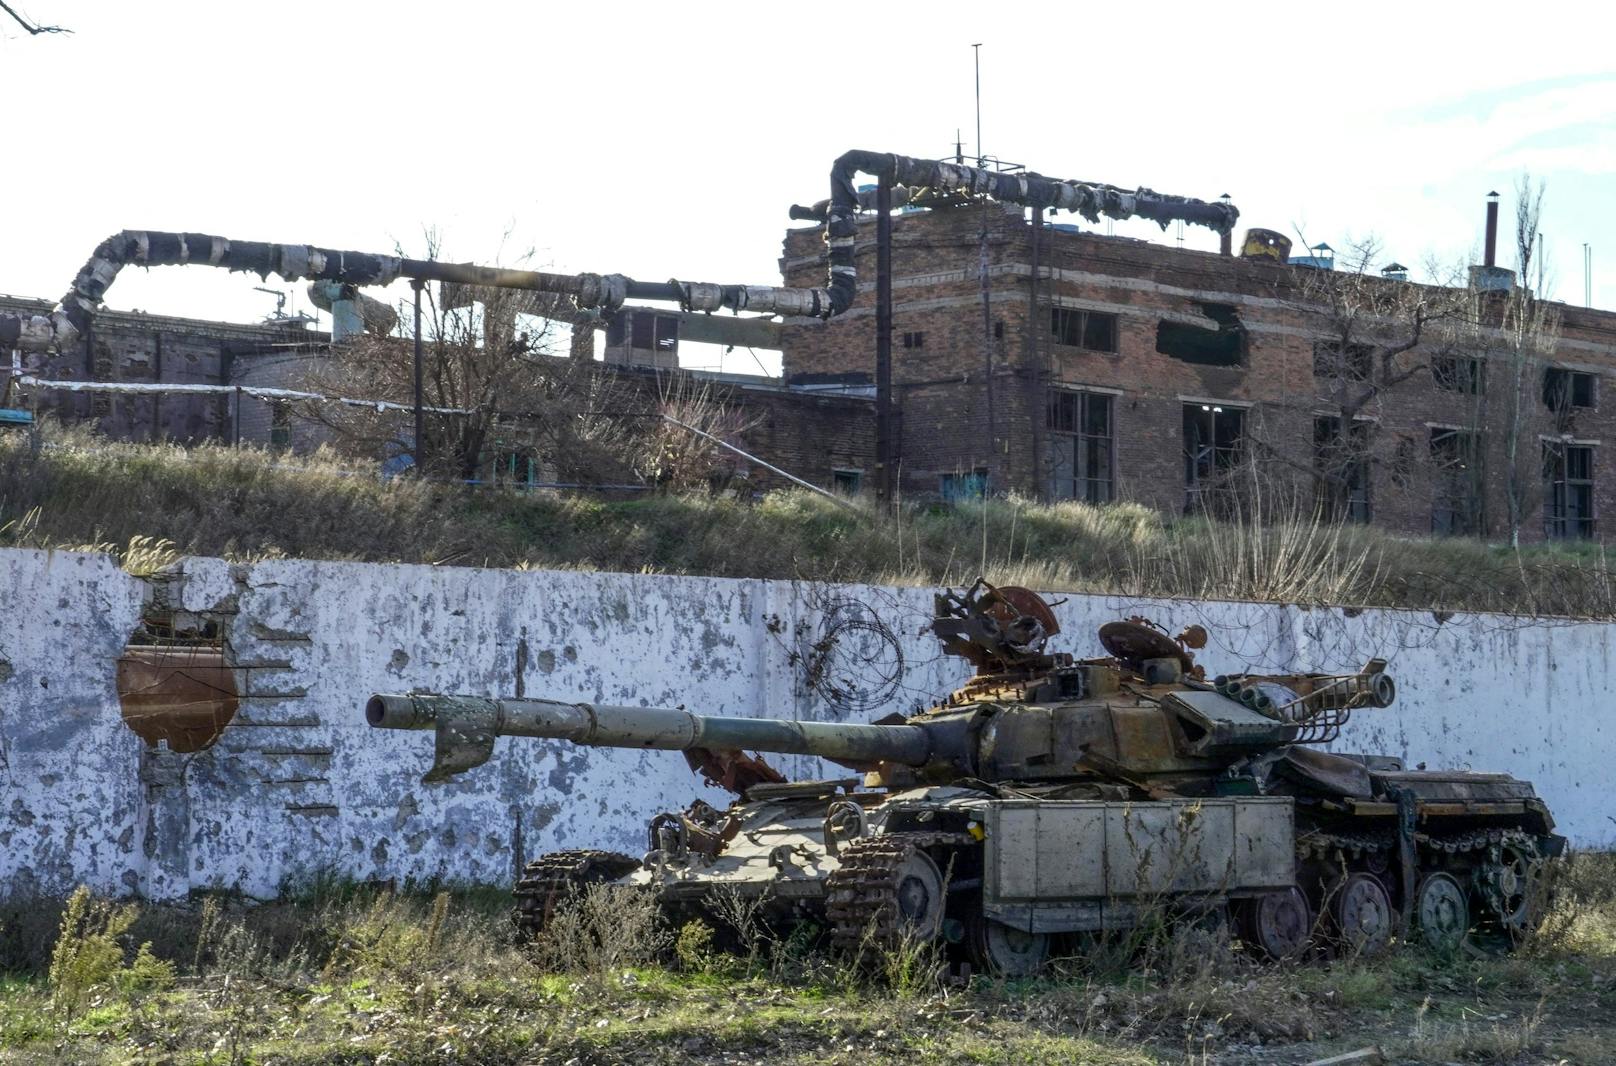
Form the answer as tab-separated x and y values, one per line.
607	292
1051	797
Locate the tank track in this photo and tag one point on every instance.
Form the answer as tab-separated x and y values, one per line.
1319	844
861	895
555	878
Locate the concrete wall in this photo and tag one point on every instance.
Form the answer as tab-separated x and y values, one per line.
297	783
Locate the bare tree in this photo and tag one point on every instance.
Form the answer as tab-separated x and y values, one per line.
1370	335
506	395
34	29
678	451
1528	334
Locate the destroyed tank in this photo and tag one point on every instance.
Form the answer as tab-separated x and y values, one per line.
1050	798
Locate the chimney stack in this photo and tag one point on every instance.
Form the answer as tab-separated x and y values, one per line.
1491	257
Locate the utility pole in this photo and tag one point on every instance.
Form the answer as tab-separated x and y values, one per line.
417	446
886	483
976	52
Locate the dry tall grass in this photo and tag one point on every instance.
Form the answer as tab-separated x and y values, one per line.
247	504
348	974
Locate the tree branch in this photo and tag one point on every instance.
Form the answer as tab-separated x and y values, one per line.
33	30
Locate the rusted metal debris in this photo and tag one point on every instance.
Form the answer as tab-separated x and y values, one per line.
181	695
605	292
1052	795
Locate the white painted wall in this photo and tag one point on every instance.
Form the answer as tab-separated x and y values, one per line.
298	783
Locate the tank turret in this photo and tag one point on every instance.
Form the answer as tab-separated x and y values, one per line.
1143	715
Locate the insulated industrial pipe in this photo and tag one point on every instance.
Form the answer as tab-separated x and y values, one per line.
61	328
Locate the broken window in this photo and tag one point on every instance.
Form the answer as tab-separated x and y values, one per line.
1568	491
1221	345
847	482
1094	330
1456	502
1081	446
654	332
1454	373
643	330
1342	462
1214	442
914	339
1564	389
1335	359
958	487
280	425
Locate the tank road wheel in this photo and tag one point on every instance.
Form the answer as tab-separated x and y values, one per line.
1005	950
1278	924
1442	912
551	880
1363	914
886	890
1508	887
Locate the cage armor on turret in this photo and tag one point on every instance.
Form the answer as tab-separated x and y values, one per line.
1051	796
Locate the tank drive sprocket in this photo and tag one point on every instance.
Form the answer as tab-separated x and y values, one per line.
886	889
553	879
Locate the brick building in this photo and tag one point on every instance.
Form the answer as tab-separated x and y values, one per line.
132	347
824	435
1102	368
1085	367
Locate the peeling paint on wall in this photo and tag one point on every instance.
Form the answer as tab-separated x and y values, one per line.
297	783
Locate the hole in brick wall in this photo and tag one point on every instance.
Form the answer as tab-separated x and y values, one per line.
1222	345
179	688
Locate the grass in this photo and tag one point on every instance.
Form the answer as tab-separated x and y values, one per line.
342	974
149	504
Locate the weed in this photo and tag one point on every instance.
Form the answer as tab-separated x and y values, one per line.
694	947
1471	1041
158	502
88	954
601	930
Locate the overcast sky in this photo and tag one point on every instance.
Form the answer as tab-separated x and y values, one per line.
661	140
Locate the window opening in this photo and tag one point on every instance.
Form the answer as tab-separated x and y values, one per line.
1563	389
958	487
1224	345
1334	359
847	482
280	425
1453	373
1082	446
1214	441
1568	491
1342	462
1094	330
1456	504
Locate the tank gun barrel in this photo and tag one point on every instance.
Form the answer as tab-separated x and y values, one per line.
465	728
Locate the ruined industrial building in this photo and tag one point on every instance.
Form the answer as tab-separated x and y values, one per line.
1045	359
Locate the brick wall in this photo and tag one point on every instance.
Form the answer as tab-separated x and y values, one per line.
125	346
942	396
